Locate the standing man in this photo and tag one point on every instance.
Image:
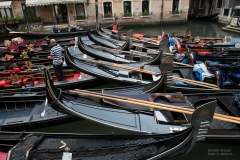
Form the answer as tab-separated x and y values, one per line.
56	55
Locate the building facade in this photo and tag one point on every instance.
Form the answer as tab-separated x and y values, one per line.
83	12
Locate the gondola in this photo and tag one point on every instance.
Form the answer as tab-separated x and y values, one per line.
35	81
108	43
204	45
93	146
68	102
126	73
143	42
202	17
50	34
117	56
28	110
131	115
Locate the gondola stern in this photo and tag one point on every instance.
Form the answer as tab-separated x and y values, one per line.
203	114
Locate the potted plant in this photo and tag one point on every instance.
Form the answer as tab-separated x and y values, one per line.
108	14
127	14
9	20
34	19
81	17
2	20
145	12
175	11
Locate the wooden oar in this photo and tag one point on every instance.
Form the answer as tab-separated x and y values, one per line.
128	52
120	66
154	105
155	43
195	82
183	64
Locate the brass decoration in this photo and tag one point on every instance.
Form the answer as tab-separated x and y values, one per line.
189	34
3	58
46	38
64	145
197	39
29	65
6	43
30	47
14	78
14	65
7	57
29	77
24	55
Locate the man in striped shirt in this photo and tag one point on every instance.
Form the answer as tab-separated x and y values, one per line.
56	55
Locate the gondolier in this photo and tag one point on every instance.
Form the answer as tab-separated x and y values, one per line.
56	55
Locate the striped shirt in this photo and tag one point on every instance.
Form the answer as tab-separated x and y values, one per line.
56	53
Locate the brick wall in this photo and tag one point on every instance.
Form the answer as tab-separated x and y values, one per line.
47	12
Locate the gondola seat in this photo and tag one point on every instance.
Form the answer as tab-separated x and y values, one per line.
18	119
123	74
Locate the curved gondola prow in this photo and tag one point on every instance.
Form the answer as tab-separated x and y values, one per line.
9	29
49	84
80	43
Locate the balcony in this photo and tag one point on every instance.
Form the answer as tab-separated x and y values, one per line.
81	18
145	14
127	15
108	16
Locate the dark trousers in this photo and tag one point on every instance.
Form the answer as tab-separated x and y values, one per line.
59	71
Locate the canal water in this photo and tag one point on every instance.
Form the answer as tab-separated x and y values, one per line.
201	150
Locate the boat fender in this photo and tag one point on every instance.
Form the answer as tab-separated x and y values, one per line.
16	70
2	83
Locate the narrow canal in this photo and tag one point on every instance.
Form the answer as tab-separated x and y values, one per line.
201	150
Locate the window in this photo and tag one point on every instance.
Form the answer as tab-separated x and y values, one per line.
107	9
31	12
6	12
145	7
80	11
202	4
127	8
175	7
219	4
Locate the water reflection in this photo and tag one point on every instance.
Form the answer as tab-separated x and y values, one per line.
197	28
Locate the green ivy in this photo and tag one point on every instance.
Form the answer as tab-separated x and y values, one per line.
175	11
108	14
2	19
